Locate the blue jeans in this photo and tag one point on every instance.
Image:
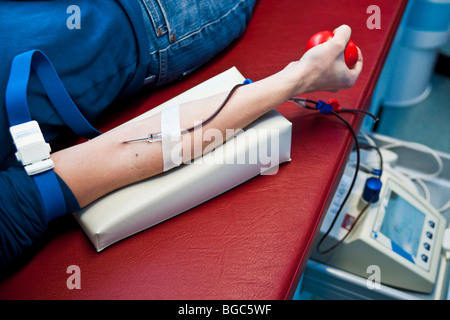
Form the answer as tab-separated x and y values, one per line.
184	34
116	48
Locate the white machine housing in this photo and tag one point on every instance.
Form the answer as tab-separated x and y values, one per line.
401	234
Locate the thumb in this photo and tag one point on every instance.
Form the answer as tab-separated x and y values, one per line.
342	33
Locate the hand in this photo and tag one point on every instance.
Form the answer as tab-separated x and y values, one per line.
323	68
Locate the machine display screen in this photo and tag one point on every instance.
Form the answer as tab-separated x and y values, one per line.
403	223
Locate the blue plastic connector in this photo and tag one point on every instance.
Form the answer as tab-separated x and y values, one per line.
324	107
372	190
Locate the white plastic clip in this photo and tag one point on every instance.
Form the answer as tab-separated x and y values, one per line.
32	150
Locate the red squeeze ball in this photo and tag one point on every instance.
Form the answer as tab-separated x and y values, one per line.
350	53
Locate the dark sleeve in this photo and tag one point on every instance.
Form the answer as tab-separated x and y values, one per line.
22	214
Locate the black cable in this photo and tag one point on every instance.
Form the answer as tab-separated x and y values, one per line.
369	146
152	136
355	176
227	98
303	102
364	210
375	118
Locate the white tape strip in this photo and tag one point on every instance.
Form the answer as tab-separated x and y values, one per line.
171	137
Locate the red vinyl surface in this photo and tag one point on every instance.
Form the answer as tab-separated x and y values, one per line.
252	242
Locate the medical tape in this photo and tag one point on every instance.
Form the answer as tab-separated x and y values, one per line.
171	137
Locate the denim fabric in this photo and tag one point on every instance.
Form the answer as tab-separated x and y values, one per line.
184	34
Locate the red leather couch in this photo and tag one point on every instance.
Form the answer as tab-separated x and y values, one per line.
252	242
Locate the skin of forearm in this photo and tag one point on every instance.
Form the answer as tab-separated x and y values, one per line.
104	164
97	167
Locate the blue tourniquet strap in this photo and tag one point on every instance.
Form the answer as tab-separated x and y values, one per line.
16	93
18	113
51	194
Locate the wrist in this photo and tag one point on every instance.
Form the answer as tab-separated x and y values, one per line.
293	79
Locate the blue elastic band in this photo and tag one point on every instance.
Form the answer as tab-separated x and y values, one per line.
51	194
16	93
18	113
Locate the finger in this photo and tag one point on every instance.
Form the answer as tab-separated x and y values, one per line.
356	70
342	33
360	56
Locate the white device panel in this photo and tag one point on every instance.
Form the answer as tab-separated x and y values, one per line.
401	234
405	226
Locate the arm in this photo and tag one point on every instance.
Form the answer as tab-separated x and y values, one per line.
99	166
